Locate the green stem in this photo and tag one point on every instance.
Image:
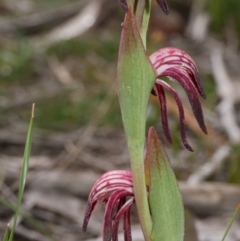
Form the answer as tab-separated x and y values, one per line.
136	78
145	22
137	154
140	192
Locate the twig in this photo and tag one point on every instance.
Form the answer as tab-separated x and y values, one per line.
227	93
74	27
61	72
211	166
36	22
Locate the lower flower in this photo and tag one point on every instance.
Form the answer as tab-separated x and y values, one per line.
115	189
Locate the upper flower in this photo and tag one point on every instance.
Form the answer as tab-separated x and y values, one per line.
179	66
113	188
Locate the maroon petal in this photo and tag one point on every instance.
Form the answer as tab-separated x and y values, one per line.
164	6
127	225
109	209
87	215
107	221
163	109
178	65
191	93
124	4
196	81
125	208
104	187
191	72
121	202
180	110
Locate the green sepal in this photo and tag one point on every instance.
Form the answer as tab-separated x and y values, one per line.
165	200
136	78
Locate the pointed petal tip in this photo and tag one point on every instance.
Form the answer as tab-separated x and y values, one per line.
164	6
203	95
85	224
201	123
169	138
90	206
87	215
124	4
167	134
188	147
205	130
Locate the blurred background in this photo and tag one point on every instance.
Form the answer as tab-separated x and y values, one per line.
62	55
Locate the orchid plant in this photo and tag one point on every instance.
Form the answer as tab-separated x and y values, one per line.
151	184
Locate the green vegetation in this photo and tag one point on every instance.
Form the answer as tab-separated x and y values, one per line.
232	166
223	14
16	63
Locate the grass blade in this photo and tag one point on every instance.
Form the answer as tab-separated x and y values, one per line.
23	173
231	222
29	219
6	234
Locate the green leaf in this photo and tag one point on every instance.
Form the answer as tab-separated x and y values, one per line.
164	196
135	80
23	173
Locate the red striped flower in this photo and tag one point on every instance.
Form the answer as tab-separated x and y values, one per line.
115	189
178	65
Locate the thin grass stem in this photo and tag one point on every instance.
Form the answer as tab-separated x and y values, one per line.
231	222
24	171
6	234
